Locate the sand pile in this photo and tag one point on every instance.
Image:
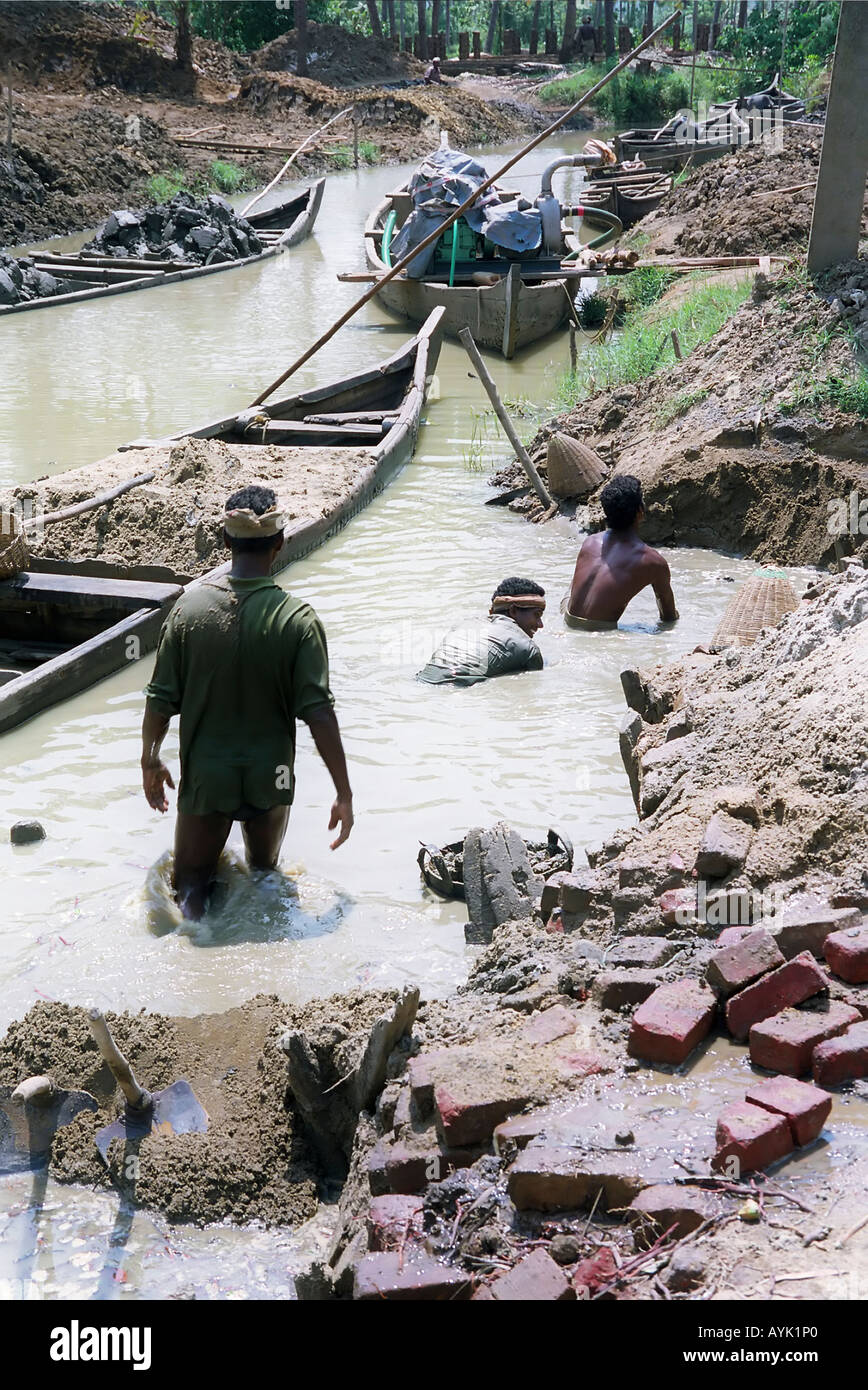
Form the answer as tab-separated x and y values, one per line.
338	58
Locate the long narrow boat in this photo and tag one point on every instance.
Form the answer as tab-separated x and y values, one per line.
65	624
629	197
279	228
506	302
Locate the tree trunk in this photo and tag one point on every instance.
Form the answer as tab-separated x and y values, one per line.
742	14
448	29
537	16
421	7
569	39
183	37
435	20
492	26
609	13
649	18
301	37
374	16
393	26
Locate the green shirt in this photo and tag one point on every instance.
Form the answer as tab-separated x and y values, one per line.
239	660
472	654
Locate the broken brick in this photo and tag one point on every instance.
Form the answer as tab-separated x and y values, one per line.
640	952
843	1058
805	1108
752	1136
391	1219
736	966
724	847
619	989
556	1022
393	1167
665	1205
518	1132
790	984
669	1025
535	1279
846	953
677	906
471	1119
594	1273
786	1041
391	1275
730	936
563	1179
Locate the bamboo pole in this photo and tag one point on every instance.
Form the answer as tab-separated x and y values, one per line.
90	504
291	160
524	457
460	211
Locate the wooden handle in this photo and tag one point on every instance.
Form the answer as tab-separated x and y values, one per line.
135	1095
35	1088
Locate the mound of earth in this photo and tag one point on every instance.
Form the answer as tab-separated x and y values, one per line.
731	206
255	1162
734	447
339	59
72	45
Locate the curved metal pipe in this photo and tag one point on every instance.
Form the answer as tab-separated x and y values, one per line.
567	161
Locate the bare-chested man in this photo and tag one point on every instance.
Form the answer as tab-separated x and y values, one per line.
615	565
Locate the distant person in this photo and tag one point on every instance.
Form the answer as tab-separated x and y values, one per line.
615	565
433	73
587	38
239	660
496	648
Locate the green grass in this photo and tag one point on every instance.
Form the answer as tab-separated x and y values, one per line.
641	348
679	405
369	152
847	393
163	187
228	177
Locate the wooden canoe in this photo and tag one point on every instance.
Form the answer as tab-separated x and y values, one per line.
629	198
517	309
66	624
279	227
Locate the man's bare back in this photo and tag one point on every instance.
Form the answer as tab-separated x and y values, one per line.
615	565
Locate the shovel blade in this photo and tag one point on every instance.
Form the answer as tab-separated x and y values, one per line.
26	1131
173	1111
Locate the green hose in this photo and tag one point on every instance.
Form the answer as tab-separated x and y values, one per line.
388	229
612	232
454	250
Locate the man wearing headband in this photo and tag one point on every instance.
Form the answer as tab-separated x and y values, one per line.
239	660
503	644
616	564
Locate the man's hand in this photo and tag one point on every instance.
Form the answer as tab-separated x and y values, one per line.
155	778
342	815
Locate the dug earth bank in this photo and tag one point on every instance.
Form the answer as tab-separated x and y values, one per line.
513	1141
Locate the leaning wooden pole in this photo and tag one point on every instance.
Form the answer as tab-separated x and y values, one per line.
464	207
524	457
292	158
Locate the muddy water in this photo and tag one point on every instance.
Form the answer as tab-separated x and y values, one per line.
87	914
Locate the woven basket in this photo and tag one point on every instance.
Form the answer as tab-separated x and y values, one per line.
14	555
574	470
761	602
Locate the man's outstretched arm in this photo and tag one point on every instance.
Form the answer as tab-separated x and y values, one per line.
155	775
326	734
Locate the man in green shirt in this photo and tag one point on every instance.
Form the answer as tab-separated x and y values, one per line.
239	660
496	648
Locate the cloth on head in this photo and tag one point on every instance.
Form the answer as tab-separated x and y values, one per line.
243	523
502	603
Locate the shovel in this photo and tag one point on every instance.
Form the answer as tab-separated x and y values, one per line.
29	1116
172	1111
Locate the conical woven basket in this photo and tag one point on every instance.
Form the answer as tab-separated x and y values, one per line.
761	602
14	555
574	470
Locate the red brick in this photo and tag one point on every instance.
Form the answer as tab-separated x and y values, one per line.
592	1274
668	1026
843	1058
808	929
733	967
786	1041
535	1279
847	954
397	1168
677	906
665	1205
790	984
555	1178
391	1219
724	847
519	1132
805	1108
752	1135
582	1063
553	1023
620	989
472	1119
730	936
389	1275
